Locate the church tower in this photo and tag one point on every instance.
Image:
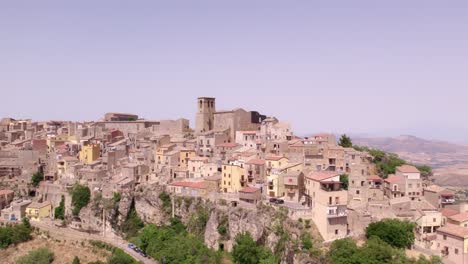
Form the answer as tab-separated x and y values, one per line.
205	114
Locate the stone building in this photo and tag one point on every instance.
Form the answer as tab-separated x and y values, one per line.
328	200
205	114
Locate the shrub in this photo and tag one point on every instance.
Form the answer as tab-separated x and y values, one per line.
38	256
81	196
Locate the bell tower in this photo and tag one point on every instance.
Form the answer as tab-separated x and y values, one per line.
205	114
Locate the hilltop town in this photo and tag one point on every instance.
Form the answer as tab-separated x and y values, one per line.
235	171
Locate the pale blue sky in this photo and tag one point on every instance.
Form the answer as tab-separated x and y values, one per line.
376	67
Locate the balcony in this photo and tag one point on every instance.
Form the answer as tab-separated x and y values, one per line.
447	200
337	211
331	186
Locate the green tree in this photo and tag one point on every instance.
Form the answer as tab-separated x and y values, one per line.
25	222
133	223
343	251
344	179
399	234
120	257
386	163
345	141
12	235
81	196
246	251
37	178
60	210
76	260
426	171
38	256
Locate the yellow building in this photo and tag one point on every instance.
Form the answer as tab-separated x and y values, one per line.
90	153
184	156
275	162
38	211
233	178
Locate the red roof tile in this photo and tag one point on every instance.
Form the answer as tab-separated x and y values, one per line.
197	185
449	212
249	190
374	178
274	158
454	230
227	145
256	162
408	169
463	217
393	179
320	176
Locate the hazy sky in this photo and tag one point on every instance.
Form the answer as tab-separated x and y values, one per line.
375	67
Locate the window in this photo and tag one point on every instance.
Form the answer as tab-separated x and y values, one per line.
336	231
445	237
357	192
433	220
456	251
362	183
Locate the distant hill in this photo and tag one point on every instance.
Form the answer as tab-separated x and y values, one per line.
450	161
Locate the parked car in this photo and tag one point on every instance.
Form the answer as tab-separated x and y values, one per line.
273	200
131	246
279	201
143	254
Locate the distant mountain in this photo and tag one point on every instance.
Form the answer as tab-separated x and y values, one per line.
449	160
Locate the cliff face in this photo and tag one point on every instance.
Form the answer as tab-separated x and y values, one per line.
217	224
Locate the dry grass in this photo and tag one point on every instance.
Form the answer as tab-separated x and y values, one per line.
64	251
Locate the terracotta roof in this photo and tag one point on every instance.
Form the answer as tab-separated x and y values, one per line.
463	217
256	162
197	185
274	158
454	230
198	159
249	190
374	178
5	192
248	132
435	188
449	212
227	145
408	169
320	176
393	178
246	154
37	205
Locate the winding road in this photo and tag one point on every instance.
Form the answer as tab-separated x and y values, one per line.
71	234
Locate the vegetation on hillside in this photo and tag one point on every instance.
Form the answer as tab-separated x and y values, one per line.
175	244
247	251
344	179
81	196
13	235
76	260
345	141
397	233
59	212
37	178
118	256
385	162
133	224
374	251
38	256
